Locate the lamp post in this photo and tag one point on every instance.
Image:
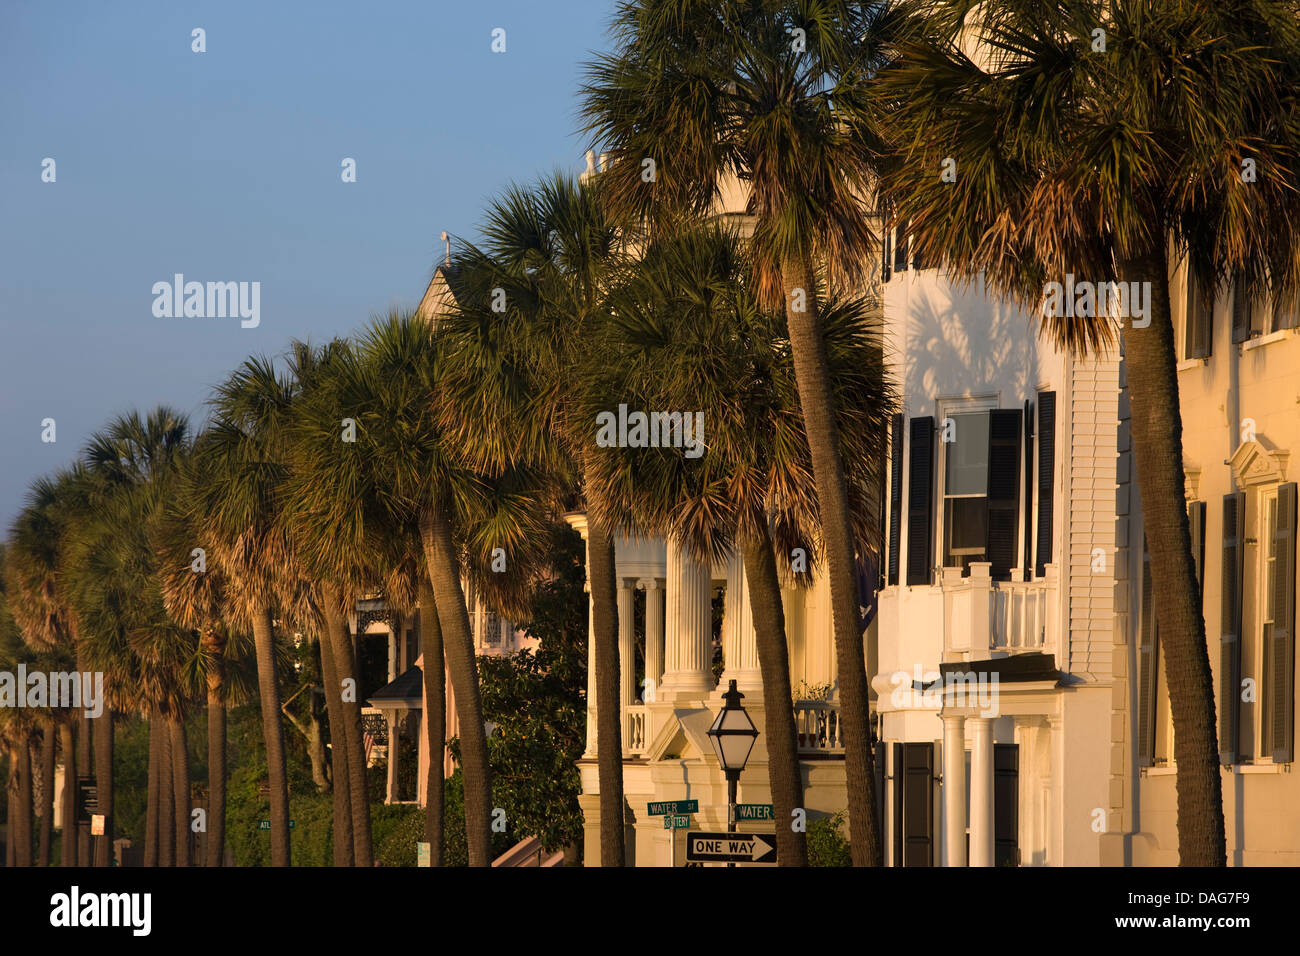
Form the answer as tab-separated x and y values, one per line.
732	736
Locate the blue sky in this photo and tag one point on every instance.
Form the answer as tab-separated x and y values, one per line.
225	166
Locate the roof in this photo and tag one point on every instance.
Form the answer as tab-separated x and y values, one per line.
1016	669
406	691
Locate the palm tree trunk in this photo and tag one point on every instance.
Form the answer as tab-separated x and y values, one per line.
273	734
11	853
23	823
458	647
784	774
181	785
354	745
166	796
67	743
435	720
11	808
817	404
103	730
48	743
152	807
1158	452
344	853
216	822
609	726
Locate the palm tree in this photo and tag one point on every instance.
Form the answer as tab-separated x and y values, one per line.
15	735
196	597
244	460
555	253
691	334
132	462
1102	165
40	539
435	721
403	496
764	93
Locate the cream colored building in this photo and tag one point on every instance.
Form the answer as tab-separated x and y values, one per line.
1239	395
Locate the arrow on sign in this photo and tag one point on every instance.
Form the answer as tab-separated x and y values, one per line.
730	848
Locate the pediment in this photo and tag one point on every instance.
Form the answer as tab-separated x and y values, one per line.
1254	464
685	733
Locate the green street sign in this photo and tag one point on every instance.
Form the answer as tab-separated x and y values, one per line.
676	821
754	811
266	824
673	806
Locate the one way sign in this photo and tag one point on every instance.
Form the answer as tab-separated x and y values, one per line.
730	848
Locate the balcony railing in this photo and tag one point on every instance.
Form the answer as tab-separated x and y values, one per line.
1020	614
817	727
982	615
636	730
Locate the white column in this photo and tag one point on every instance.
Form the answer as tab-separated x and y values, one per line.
626	650
654	636
393	750
1056	802
954	790
591	674
739	643
981	792
688	642
392	650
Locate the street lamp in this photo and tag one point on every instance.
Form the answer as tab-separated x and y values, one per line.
732	736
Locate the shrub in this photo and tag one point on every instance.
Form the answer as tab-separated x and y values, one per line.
827	845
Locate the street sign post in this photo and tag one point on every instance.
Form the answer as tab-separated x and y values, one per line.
754	811
730	848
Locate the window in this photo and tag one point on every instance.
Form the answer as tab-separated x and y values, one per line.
1253	317
965	489
1198	325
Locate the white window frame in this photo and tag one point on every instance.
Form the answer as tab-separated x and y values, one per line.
949	408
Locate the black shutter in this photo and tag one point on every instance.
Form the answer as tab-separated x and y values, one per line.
1148	668
1199	325
918	804
1029	489
1240	314
900	247
1284	317
885	274
1196	524
896	778
1004	490
878	773
920	501
1282	693
1006	805
895	495
1046	477
1234	520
